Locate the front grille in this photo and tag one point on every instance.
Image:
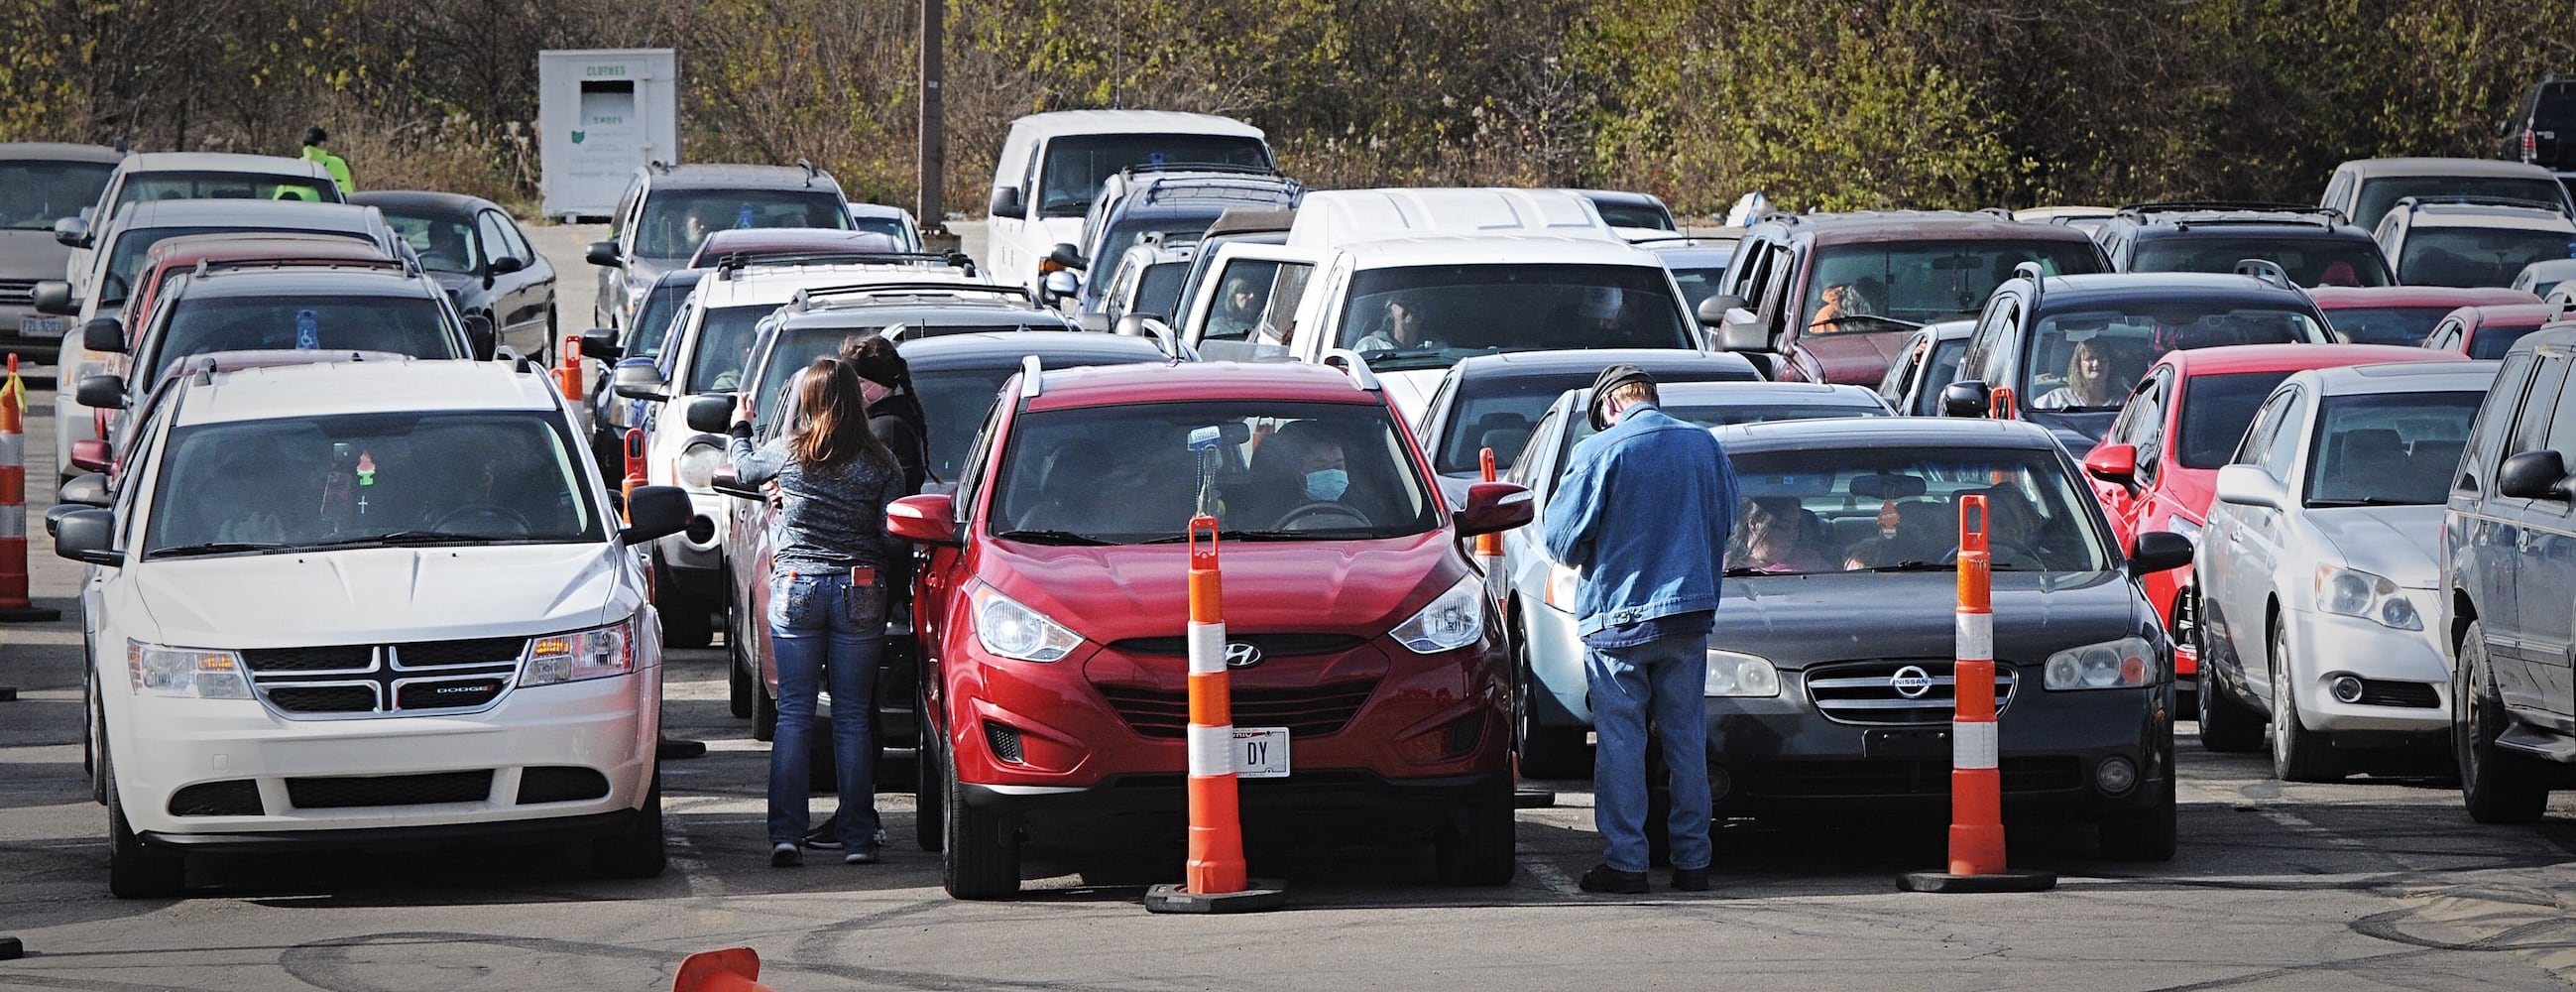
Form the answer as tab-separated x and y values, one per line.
17	292
560	784
1005	742
390	790
2411	695
368	679
1864	692
1818	779
1271	645
1319	711
234	797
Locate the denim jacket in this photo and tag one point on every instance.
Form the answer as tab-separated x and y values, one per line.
1643	513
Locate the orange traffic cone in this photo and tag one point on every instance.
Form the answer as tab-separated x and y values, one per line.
1214	878
1976	784
15	607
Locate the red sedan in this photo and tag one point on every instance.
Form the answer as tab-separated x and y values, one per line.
2402	315
2488	332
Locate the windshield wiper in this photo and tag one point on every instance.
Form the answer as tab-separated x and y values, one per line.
1049	537
1255	534
1912	566
2314	503
409	537
215	548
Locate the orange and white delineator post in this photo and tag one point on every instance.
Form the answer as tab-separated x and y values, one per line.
568	374
734	969
1976	779
1214	879
636	473
1489	546
15	607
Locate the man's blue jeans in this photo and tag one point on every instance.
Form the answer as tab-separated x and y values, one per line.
821	627
1663	680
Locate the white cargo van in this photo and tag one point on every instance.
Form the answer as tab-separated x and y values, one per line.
1053	164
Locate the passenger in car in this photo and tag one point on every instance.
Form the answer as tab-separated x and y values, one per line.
1775	537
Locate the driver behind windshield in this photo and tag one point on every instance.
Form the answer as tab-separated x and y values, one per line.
2092	381
1399	328
1304	479
1858	298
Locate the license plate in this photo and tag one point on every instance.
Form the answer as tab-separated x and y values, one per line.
43	327
1905	743
1261	752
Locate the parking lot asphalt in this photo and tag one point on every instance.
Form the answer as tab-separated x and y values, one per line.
2368	884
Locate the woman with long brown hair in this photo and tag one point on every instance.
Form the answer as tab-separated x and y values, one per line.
830	562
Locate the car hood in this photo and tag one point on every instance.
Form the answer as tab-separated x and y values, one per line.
460	283
381	594
1856	359
2076	432
1111	593
2397	543
31	255
1795	621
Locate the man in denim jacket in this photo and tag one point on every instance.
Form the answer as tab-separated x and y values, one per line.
1643	514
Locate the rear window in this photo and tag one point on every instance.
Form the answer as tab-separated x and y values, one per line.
2407	326
2216	410
2478	256
2397	449
34	194
1920	282
150	186
404	325
2311	261
676	221
2494	338
1498	412
2377	195
891	227
1635	215
1430	316
1124	235
1076	165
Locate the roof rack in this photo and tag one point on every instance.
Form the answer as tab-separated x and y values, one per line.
2468	200
1215	189
206	267
2325	216
1351	364
811	173
660	166
2037	276
1243	170
1032	375
730	263
806	298
1238	220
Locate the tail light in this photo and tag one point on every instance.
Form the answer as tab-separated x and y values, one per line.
2530	144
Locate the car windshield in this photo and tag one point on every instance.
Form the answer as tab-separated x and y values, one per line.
2494	338
1430	316
2406	326
1698	284
674	222
1266	470
2378	195
652	323
1742	408
1944	370
1123	235
151	186
1824	509
444	243
1644	215
126	258
724	343
2310	260
891	227
1920	282
2105	349
369	479
1077	164
1159	289
2216	410
2477	256
404	325
2389	449
36	193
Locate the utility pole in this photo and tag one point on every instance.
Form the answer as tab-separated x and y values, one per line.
933	159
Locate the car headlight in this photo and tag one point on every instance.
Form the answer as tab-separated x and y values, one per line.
698	464
582	654
188	673
1011	630
1453	621
1561	585
2127	663
1733	673
2355	593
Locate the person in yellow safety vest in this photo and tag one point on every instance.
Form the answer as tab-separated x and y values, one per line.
314	152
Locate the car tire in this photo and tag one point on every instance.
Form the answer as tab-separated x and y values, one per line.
930	790
93	739
2145	834
982	848
1478	843
1544	751
134	869
764	713
2497	785
637	852
2227	724
2298	754
740	684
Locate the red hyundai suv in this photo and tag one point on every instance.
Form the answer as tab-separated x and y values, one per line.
1052	605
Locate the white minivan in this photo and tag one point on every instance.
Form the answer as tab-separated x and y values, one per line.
367	603
1052	165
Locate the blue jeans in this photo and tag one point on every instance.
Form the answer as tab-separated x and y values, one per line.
822	627
1663	680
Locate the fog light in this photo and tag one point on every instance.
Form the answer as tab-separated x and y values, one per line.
2116	775
1720	782
2346	689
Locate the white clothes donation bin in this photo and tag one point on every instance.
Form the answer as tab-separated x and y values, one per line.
601	113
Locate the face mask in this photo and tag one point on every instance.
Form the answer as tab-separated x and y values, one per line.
1327	485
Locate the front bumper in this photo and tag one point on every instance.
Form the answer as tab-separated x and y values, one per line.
595	739
1554	646
2396	665
40	347
1144	810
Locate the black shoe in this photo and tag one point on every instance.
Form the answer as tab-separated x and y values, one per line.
785	856
824	838
863	856
1690	879
1603	878
678	749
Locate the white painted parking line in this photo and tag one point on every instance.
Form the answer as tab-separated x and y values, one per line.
1551	876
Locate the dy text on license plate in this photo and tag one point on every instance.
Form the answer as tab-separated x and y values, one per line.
1261	752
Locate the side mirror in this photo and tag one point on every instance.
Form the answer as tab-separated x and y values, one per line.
92	455
641	382
72	232
2116	464
104	334
1069	256
1494	506
1712	311
88	536
710	413
54	296
1966	398
2158	551
101	392
2245	485
604	255
600	343
480	339
653	511
1095	322
504	265
1006	203
1061	283
724	480
89	489
930	518
1742	330
2532	475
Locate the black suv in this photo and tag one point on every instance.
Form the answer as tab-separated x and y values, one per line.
2539	132
2316	245
2508	573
